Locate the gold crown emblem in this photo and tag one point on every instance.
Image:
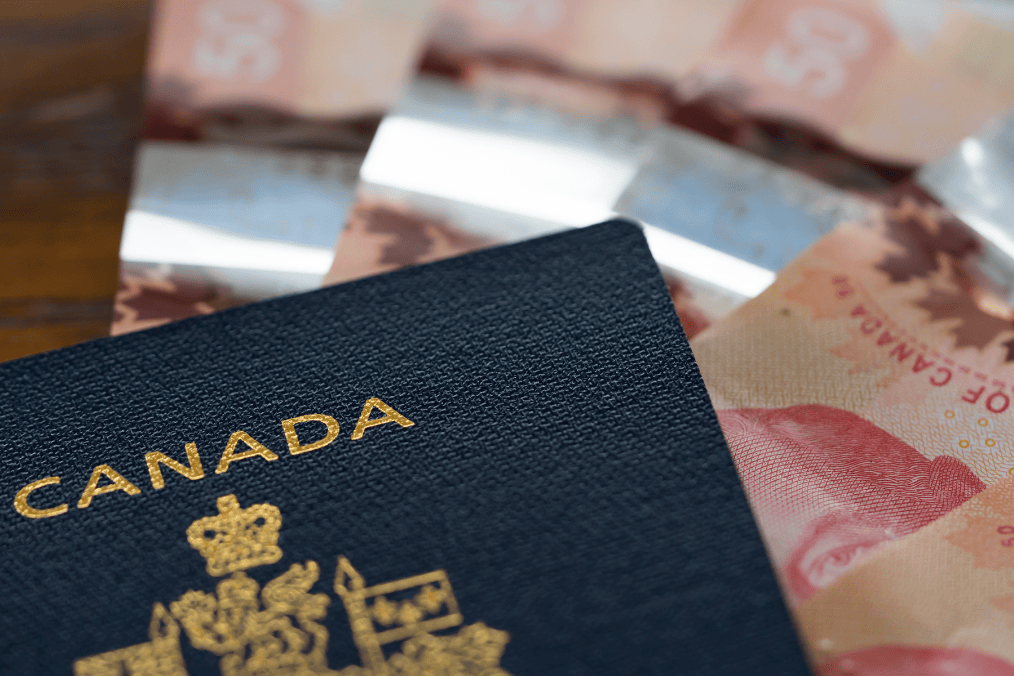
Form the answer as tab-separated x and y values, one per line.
279	628
237	539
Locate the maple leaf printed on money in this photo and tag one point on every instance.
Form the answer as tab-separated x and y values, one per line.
976	328
924	233
143	302
383	235
928	236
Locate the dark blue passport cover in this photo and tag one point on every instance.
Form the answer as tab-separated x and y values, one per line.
527	478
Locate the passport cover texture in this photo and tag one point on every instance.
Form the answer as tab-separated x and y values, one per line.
504	463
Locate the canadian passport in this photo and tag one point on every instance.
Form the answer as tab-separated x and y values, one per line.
504	463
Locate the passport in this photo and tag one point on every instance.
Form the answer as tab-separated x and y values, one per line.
503	463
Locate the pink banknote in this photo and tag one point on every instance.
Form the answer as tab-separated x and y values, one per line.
279	70
283	97
889	80
866	395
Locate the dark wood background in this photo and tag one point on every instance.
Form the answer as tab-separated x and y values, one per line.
71	92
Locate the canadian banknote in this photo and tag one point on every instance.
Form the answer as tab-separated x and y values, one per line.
280	71
888	79
388	232
259	114
865	395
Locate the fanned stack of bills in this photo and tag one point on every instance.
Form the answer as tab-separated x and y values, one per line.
526	117
594	98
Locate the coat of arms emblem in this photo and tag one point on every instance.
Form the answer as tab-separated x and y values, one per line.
277	629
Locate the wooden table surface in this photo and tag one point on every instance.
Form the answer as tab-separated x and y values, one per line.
71	90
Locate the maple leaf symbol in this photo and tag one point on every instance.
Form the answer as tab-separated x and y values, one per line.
924	231
977	328
160	300
416	238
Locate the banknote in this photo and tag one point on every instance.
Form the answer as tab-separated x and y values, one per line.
866	393
149	296
387	234
886	79
938	602
294	72
259	115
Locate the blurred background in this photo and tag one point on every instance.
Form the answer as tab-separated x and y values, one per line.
166	159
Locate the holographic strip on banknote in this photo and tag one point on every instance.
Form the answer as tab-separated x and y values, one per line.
733	202
452	170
